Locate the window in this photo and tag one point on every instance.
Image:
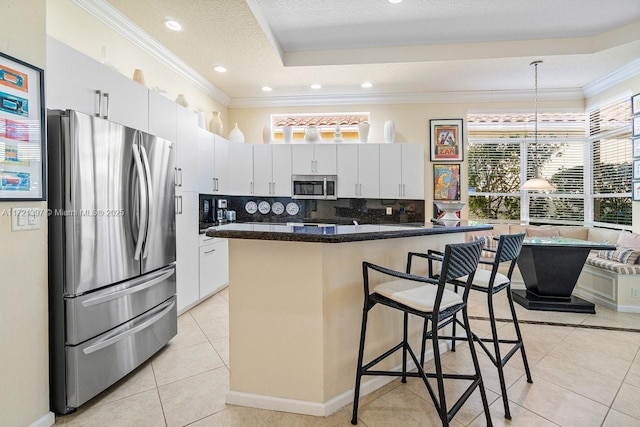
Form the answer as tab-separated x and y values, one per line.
610	147
587	158
325	121
498	146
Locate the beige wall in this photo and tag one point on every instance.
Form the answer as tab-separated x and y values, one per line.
411	120
24	358
73	26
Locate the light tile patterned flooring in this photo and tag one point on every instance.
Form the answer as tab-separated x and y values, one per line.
582	377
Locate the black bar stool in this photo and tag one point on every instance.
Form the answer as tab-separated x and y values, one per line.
491	282
427	298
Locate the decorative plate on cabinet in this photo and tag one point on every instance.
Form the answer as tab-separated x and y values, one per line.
264	207
293	208
277	208
251	207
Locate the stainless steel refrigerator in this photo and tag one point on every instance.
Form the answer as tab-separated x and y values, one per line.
112	253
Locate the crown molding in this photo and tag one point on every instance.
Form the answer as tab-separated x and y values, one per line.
623	73
115	20
408	98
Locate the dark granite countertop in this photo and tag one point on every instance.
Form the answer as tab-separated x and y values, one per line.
335	234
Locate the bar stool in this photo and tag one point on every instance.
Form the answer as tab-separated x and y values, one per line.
491	282
427	298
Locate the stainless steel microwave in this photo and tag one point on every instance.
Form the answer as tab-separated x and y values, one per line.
314	187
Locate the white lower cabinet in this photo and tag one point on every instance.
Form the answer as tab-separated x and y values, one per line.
214	266
187	278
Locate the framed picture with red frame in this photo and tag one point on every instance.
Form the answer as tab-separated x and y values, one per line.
446	140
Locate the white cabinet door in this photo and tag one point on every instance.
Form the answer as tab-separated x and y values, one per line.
221	165
186	150
187	249
206	160
390	171
162	116
347	159
214	267
412	171
368	171
281	182
263	170
302	159
77	82
240	167
325	158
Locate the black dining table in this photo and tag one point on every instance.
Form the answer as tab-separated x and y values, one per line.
550	267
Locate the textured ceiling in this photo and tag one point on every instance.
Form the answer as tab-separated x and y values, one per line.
418	46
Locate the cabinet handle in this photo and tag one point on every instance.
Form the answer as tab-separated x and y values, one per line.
208	252
98	106
217	185
360	190
400	190
106	97
213	184
273	188
175	177
356	189
404	190
251	187
180	169
180	205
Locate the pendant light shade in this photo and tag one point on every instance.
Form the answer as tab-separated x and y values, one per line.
537	182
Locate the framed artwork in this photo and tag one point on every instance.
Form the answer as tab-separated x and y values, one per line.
636	169
636	126
22	133
636	191
635	104
636	147
446	182
446	140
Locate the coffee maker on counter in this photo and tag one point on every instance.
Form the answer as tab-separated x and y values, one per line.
221	213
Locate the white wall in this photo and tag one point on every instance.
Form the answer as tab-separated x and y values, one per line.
24	357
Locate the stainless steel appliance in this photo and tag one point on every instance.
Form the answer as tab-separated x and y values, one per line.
314	187
221	214
112	252
231	216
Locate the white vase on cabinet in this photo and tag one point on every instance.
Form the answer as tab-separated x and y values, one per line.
363	131
287	134
236	135
389	131
215	124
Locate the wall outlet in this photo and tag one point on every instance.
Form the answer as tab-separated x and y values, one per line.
389	210
635	292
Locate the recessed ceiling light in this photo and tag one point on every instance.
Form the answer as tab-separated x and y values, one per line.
395	1
266	89
172	24
220	69
366	85
316	86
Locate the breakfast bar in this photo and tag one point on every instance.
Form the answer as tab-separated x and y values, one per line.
295	307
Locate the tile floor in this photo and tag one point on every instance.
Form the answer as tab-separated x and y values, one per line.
583	376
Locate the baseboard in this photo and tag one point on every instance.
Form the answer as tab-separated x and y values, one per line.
46	420
601	301
315	408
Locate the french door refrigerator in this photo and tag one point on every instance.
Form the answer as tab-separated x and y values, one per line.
112	253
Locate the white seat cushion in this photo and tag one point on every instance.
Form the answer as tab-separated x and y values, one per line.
421	296
482	277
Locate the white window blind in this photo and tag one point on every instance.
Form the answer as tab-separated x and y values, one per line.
610	146
498	146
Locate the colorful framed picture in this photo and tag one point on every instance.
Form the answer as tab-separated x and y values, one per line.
636	147
635	104
446	182
636	169
636	126
636	191
22	132
446	140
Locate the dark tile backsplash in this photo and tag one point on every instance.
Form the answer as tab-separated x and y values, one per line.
341	211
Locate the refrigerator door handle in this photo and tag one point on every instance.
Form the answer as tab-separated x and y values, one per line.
151	207
98	106
132	290
110	341
143	205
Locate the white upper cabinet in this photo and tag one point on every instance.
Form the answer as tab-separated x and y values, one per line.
162	116
206	162
272	170
221	165
239	179
358	171
347	170
313	159
77	82
186	159
401	171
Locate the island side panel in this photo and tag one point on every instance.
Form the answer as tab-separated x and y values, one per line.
275	319
343	301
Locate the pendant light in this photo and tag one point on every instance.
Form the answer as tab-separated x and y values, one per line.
537	182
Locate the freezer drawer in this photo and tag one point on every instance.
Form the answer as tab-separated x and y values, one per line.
92	314
97	364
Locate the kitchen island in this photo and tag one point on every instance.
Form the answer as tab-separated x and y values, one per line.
295	308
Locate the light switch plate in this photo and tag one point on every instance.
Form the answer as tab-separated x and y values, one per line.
23	219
